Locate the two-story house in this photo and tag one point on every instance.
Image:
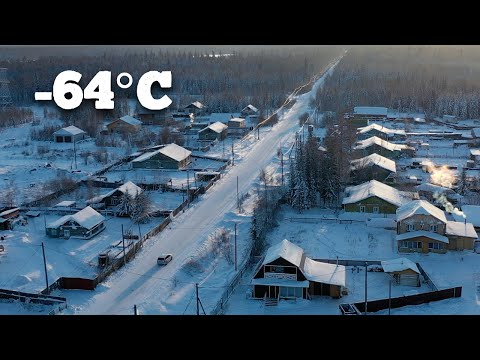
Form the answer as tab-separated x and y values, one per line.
422	227
286	273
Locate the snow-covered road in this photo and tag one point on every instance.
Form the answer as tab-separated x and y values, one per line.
142	280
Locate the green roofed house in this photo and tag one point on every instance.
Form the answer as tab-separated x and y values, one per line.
84	224
215	131
375	197
171	156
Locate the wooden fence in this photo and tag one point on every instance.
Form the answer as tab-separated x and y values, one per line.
32	298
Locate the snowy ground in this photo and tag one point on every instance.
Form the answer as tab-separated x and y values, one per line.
329	239
8	307
21	265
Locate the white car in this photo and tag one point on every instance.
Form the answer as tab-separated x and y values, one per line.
164	259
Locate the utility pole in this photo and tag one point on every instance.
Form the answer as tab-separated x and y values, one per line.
389	296
258	133
45	266
135	312
233	155
223	144
281	161
366	287
139	232
123	241
75	152
196	291
235	246
188	189
238	198
183	195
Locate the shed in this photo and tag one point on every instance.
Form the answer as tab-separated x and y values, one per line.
126	123
171	156
69	134
403	270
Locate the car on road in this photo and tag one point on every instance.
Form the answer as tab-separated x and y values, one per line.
164	259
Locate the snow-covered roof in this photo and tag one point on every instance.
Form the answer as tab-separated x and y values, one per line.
400	264
285	250
374	140
129	187
196	104
476	132
475	152
472	213
175	152
66	203
420	207
380	128
69	130
218	127
32	213
428	234
87	218
130	120
374	159
461	229
370	110
237	119
433	188
8	212
250	107
378	189
223	117
172	151
323	272
395	115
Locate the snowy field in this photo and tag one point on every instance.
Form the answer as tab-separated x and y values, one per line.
8	307
329	239
21	265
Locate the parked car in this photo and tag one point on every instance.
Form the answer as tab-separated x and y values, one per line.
164	259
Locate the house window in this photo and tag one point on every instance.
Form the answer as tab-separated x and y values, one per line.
434	228
376	209
410	227
54	232
362	208
430	246
404	244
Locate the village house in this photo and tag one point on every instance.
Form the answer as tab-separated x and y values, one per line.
362	114
7	215
476	136
381	132
171	156
375	197
114	197
196	108
373	167
215	131
382	147
249	110
85	224
287	273
69	134
403	270
475	157
237	127
222	117
124	124
422	227
428	192
154	117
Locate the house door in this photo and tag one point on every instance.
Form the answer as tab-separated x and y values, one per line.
66	234
272	291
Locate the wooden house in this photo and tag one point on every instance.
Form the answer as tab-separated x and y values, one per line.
373	167
363	114
403	270
287	273
154	117
249	110
215	131
171	156
114	197
476	136
84	224
382	147
125	124
196	108
69	134
375	197
422	227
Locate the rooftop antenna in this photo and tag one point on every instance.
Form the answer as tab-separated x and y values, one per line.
5	98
